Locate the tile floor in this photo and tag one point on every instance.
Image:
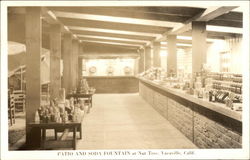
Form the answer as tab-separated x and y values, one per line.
126	121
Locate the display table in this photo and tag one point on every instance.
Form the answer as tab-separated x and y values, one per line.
78	96
68	126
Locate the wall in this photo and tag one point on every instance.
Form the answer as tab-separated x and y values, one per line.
114	84
184	60
205	128
102	65
90	48
233	47
214	49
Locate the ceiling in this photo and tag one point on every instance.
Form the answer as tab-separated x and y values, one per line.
137	27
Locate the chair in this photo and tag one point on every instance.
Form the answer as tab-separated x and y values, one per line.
19	97
11	109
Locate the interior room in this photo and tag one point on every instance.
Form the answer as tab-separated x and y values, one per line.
125	77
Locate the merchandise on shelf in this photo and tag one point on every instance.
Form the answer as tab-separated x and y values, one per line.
154	74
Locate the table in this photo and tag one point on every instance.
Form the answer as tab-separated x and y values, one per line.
77	96
57	126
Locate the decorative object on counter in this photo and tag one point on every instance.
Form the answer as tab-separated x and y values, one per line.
83	86
171	73
92	70
110	70
127	70
154	74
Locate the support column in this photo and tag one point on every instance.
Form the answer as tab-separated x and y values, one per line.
148	58
74	62
142	61
171	55
55	56
33	37
199	46
79	68
156	55
79	63
136	66
67	54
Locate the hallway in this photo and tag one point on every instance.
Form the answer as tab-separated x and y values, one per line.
126	121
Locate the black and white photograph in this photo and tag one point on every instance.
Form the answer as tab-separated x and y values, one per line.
124	80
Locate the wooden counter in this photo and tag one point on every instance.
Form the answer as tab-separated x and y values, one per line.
114	84
206	124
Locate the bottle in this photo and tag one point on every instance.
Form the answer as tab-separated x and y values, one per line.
37	118
210	96
213	97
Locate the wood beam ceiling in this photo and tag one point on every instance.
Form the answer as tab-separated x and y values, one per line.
134	26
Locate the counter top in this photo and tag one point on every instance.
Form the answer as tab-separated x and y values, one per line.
217	107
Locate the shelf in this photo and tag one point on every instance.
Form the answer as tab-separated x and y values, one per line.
227	82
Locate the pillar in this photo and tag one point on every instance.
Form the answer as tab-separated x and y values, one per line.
171	55
55	56
156	54
79	63
33	36
79	68
199	46
74	63
141	61
67	54
148	58
136	66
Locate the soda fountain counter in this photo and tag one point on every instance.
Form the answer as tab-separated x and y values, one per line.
207	124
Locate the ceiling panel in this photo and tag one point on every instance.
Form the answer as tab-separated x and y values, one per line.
113	26
113	38
113	41
113	31
168	10
225	23
127	36
124	20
